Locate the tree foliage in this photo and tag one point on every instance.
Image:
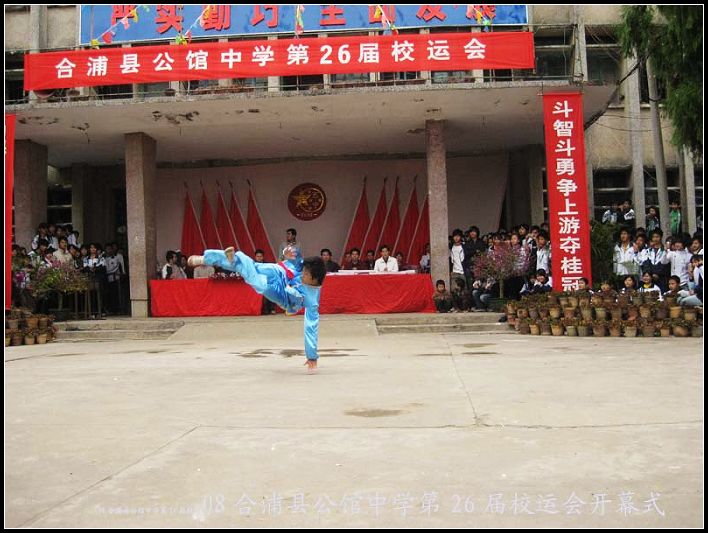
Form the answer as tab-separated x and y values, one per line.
671	37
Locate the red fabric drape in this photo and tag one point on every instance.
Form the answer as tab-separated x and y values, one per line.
192	238
376	224
203	297
421	237
405	235
257	231
223	224
206	221
392	224
243	237
359	225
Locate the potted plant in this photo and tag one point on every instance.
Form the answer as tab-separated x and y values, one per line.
632	312
522	312
535	328
596	300
571	326
664	327
42	335
533	312
680	327
584	328
586	312
524	326
629	328
43	321
599	328
615	328
556	327
689	314
648	327
563	299
32	322
554	311
569	313
661	312
545	327
16	337
670	300
697	329
675	311
8	337
616	311
501	263
544	311
601	313
29	334
645	310
573	300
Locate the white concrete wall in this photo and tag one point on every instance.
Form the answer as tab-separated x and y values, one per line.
476	189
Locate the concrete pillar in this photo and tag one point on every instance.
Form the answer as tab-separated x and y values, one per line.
635	135
140	178
37	33
224	82
518	189
580	60
534	164
437	198
30	190
659	163
689	185
79	198
590	177
273	81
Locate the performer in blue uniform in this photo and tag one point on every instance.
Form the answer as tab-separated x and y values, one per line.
292	284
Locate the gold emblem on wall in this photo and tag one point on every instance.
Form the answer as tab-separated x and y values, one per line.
307	201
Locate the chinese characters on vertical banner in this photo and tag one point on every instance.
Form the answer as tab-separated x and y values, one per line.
567	189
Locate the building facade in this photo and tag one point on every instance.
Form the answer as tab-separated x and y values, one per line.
115	160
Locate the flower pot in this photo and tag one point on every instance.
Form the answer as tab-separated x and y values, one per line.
645	311
569	312
615	332
16	340
662	312
623	299
29	340
638	298
680	331
584	331
563	301
524	329
32	322
545	329
670	300
689	314
533	313
608	300
586	313
573	301
572	331
697	331
13	323
543	312
42	338
535	329
557	331
599	331
665	331
26	313
554	312
522	312
511	308
7	341
675	311
616	313
648	331
630	331
632	312
43	322
552	298
601	313
596	300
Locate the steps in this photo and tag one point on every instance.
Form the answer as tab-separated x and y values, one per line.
116	330
473	323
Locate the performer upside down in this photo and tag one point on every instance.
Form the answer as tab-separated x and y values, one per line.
293	284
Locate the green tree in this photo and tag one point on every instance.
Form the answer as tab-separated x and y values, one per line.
671	37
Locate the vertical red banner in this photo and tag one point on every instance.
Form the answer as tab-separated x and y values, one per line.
567	189
9	187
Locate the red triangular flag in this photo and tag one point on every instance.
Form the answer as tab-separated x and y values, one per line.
192	239
107	37
242	236
257	231
376	225
392	224
359	225
421	236
223	224
206	221
405	235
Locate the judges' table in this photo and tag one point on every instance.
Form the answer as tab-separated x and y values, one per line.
355	294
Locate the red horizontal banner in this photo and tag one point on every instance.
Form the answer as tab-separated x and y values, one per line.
282	57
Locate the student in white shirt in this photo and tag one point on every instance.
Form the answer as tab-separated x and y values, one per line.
679	258
172	270
624	260
457	258
386	263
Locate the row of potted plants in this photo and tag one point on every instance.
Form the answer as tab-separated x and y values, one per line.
18	337
615	311
614	328
32	321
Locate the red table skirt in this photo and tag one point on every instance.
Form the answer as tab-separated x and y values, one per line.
357	294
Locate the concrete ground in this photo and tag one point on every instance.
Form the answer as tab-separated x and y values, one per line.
220	426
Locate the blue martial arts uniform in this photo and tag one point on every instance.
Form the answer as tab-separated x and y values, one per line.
271	280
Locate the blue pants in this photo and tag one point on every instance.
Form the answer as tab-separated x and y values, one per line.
270	280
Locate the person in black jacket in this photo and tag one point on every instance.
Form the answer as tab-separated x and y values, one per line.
473	246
